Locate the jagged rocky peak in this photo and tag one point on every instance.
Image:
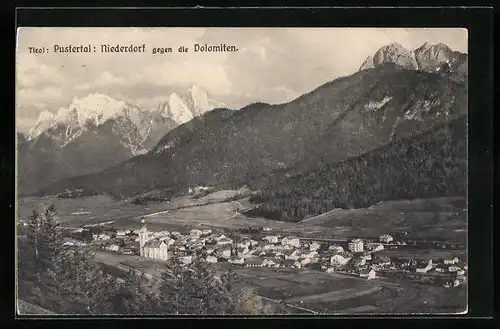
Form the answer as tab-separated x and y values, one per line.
428	57
367	64
45	120
177	109
95	107
397	54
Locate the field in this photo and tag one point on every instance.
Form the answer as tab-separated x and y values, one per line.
427	219
300	289
434	219
422	254
338	293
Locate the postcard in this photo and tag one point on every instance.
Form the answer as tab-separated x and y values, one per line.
241	171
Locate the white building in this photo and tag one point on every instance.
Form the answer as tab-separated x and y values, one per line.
425	269
211	259
356	245
378	247
314	246
339	260
336	248
224	241
369	274
237	261
386	238
451	261
186	260
151	249
291	241
195	232
271	238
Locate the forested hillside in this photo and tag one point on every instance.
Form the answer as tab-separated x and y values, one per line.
428	165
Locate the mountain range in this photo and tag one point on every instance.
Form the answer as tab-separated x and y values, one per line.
96	132
397	95
427	57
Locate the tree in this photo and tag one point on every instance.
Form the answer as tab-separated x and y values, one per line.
82	285
135	295
198	289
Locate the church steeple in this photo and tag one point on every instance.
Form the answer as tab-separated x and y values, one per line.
143	236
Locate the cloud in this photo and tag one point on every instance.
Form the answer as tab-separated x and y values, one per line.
272	65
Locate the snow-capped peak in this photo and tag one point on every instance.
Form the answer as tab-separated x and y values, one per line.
95	107
45	120
199	98
177	109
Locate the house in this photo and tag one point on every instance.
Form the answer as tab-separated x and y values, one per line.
237	261
425	269
254	262
378	247
266	229
291	241
283	247
269	262
337	249
211	259
356	245
206	232
271	238
382	261
386	238
314	246
451	261
224	241
121	233
297	264
330	270
224	252
113	247
358	262
367	256
268	246
305	261
240	251
153	248
186	260
220	237
195	232
339	260
243	244
312	254
369	274
294	255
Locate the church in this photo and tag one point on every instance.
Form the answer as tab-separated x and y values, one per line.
153	248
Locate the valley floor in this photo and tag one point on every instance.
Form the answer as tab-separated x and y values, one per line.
302	290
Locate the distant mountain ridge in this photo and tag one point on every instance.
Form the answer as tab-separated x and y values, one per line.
97	131
342	119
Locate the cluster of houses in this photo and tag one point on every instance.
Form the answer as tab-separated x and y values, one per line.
357	257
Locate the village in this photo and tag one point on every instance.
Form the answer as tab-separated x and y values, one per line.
262	248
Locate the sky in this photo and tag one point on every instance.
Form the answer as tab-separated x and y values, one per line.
273	65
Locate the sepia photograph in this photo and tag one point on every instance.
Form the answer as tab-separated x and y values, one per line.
241	171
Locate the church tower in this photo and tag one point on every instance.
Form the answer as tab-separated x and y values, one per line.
143	237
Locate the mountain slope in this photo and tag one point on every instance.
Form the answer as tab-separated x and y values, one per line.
431	164
341	119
